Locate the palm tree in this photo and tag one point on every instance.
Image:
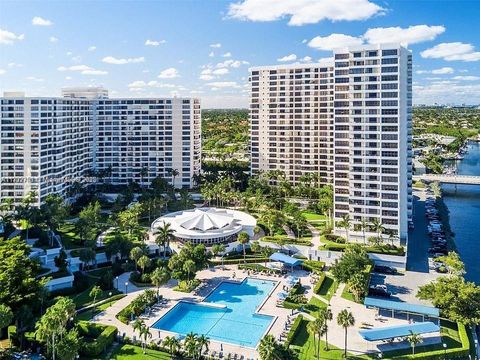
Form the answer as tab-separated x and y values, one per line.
164	235
144	262
327	316
316	328
202	342
414	339
364	225
159	277
143	173
191	344
268	348
243	239
145	332
345	223
173	173
172	344
266	252
135	254
378	228
137	326
189	267
345	319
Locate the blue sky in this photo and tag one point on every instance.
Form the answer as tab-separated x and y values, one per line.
204	48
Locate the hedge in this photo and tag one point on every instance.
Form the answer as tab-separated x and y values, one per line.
102	335
239	261
318	285
257	267
293	330
313	265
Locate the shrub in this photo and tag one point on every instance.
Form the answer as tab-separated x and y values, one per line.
313	265
319	283
137	306
335	238
106	281
294	330
102	337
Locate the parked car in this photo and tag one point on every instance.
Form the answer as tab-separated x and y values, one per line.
383	269
379	290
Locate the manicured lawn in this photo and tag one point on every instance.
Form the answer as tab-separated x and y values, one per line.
347	295
70	238
275	239
303	342
131	352
328	287
83	299
309	216
87	315
314	305
333	246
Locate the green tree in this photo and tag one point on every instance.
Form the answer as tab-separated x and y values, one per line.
316	328
377	226
88	220
453	263
243	239
144	262
68	345
353	261
414	340
172	344
135	254
268	348
191	345
255	247
346	224
364	225
54	211
6	317
189	267
345	319
52	326
94	294
145	334
159	277
326	315
203	342
87	255
457	299
164	234
356	285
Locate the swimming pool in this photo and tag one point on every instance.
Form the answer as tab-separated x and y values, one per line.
231	318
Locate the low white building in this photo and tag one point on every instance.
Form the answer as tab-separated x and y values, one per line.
208	225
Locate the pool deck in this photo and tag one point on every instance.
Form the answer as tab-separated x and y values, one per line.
211	278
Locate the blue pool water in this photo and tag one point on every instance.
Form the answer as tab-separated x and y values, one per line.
236	323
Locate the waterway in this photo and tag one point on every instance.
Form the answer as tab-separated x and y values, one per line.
463	202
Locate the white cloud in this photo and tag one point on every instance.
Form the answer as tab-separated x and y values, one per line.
334	41
446	93
216	45
145	71
411	35
154	42
306	59
212	54
232	63
68	78
206	77
8	37
39	21
291	57
2	71
221	71
92	48
94	72
74	68
441	71
169	73
223	84
227	54
140	85
304	41
52	39
327	61
14	64
33	78
452	51
303	12
122	61
466	78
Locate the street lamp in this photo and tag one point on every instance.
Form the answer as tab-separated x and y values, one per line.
116	278
126	288
445	351
110	294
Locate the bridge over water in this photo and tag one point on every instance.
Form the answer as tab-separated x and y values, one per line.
450	179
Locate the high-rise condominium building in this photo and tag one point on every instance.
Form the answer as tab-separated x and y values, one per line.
291	120
364	142
48	143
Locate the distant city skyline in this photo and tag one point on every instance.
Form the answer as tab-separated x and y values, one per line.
204	48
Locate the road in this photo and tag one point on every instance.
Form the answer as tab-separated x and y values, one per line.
418	240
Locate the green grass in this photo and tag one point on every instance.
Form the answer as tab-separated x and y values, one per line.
83	299
87	315
306	240
131	352
347	295
303	342
309	216
70	238
187	286
333	246
328	288
314	305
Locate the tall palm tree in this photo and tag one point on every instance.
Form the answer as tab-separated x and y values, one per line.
268	348
173	173
146	334
378	228
202	342
364	225
172	344
243	239
327	316
159	277
345	319
191	344
137	326
164	234
345	223
414	339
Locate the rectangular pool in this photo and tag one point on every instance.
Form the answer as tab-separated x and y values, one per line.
235	322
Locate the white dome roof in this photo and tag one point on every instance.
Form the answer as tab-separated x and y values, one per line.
203	220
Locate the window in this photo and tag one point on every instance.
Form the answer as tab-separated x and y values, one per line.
389	52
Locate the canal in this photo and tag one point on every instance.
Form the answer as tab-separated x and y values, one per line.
463	202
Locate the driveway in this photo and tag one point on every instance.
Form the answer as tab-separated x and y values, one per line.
418	240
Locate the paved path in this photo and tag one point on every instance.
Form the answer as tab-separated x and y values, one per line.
418	241
315	236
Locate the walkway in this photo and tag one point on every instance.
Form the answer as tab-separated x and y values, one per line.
315	236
